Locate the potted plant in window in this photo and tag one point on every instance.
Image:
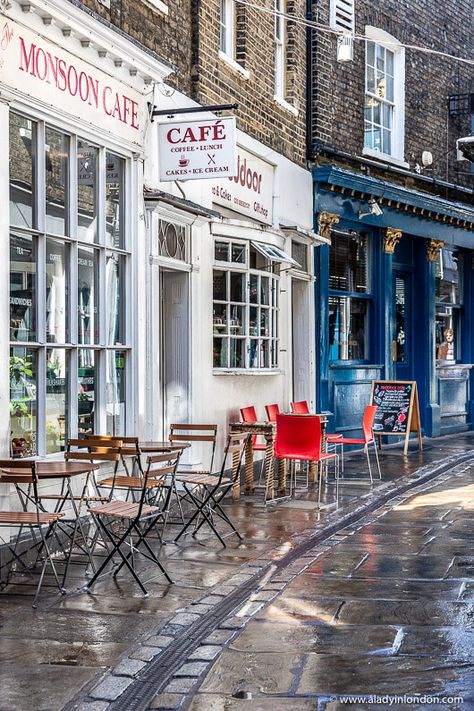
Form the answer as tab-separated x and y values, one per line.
21	396
84	403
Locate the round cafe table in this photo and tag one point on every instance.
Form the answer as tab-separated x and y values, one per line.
57	469
162	446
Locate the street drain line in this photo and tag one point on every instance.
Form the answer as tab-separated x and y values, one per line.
158	673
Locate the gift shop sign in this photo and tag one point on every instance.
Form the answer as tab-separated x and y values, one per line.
43	70
197	150
250	191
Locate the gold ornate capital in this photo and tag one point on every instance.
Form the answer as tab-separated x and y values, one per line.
326	220
391	239
432	249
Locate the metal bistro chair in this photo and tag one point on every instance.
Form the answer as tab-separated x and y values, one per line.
119	521
36	521
206	491
300	408
368	438
298	439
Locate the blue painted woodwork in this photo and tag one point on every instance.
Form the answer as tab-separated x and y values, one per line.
343	387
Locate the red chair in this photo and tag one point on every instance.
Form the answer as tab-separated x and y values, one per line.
249	415
272	411
368	438
300	408
298	439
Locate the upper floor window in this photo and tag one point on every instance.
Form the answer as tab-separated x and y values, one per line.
384	98
228	28
280	49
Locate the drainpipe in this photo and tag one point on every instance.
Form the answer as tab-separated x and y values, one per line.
309	83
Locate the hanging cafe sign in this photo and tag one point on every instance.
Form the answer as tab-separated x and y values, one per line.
196	150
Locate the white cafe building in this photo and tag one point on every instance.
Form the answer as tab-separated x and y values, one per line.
129	302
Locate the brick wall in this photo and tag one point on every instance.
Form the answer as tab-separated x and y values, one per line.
189	38
167	35
338	89
214	81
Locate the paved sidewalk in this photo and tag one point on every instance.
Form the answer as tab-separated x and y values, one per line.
62	652
387	612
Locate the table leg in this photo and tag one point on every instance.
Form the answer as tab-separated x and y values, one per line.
269	492
282	477
249	482
236	484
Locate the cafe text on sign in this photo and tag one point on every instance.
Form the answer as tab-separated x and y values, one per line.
196	150
41	69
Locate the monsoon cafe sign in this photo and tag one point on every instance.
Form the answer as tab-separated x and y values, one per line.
196	150
37	67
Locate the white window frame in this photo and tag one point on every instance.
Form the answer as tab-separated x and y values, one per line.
280	49
397	106
227	22
273	311
102	249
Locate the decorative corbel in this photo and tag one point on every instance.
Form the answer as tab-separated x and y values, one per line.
432	249
391	239
326	220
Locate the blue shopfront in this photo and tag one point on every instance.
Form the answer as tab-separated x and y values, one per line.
394	299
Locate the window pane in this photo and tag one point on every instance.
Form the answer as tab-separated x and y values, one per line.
371	53
237	320
115	313
237	352
23	402
57	167
371	80
254	361
172	240
220	319
86	191
115	392
299	252
237	287
448	341
389	85
22	171
22	288
349	263
86	391
448	278
253	289
87	296
387	142
347	328
114	202
238	253
221	251
389	58
57	330
254	326
220	285
220	353
57	370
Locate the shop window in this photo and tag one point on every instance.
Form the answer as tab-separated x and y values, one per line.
449	303
349	297
227	27
245	307
62	277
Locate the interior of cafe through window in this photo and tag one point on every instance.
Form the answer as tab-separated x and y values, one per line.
245	306
449	304
68	270
349	296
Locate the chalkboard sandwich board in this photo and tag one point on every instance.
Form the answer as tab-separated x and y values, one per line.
398	410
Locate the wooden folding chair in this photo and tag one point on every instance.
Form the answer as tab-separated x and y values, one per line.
23	472
137	518
129	448
206	491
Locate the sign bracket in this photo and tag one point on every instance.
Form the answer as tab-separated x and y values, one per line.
191	110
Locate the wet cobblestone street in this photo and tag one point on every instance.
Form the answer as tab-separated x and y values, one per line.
383	605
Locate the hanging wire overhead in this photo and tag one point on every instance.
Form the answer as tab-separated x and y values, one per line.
362	38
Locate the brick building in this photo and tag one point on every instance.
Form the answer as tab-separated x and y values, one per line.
396	286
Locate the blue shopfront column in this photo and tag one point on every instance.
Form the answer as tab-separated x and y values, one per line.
426	262
390	240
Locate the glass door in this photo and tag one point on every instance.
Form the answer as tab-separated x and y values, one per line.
402	342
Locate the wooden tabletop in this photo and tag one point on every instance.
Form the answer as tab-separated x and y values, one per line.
56	469
163	446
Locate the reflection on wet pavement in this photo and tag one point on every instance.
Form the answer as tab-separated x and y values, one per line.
388	610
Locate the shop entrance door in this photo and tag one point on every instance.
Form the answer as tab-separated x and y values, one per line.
402	343
174	348
300	340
